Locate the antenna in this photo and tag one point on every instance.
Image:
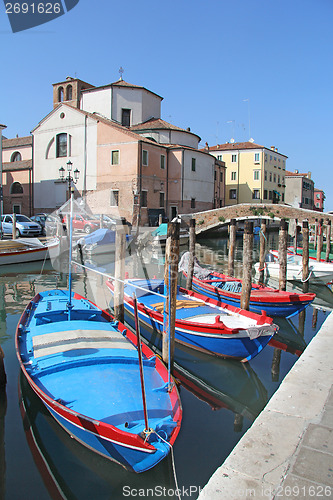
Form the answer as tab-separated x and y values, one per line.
249	115
121	71
233	130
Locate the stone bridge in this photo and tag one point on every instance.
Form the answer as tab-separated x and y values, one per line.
213	219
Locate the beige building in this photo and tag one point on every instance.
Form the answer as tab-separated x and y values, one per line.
254	173
299	189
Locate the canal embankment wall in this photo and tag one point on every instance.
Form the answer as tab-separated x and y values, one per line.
288	450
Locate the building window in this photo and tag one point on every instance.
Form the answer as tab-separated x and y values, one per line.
126	117
256	157
265	175
221	176
274	177
256	175
114	200
69	93
219	157
317	205
278	179
265	194
16	188
232	194
233	158
161	199
61	145
115	157
233	176
265	157
270	195
282	196
16	156
215	175
162	162
193	164
256	194
145	157
317	195
144	198
192	202
270	177
60	94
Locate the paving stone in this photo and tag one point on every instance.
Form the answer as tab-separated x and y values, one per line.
314	465
301	489
319	438
327	418
330	398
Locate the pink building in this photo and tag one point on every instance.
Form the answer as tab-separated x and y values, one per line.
319	198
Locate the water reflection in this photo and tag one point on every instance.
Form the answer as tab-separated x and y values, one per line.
70	470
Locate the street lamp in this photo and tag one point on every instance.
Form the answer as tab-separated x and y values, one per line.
69	178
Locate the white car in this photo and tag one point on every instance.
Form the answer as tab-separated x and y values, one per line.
24	225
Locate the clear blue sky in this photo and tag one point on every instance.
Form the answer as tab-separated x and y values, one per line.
204	58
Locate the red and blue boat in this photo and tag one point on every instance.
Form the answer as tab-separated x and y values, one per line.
201	322
276	303
84	367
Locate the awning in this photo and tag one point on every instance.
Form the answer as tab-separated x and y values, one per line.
277	193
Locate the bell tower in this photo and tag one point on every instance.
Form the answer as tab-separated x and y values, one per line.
69	91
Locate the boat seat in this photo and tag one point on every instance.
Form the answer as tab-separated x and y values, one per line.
58	342
180	304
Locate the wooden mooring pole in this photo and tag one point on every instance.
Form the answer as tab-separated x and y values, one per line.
232	246
14	227
247	265
283	241
262	251
119	271
320	240
295	237
191	256
305	256
170	290
275	370
328	241
3	377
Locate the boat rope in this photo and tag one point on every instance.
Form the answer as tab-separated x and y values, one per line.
307	279
117	279
172	460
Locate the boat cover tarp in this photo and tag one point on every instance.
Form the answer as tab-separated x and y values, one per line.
199	272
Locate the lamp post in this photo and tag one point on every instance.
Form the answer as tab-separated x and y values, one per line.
2	127
69	177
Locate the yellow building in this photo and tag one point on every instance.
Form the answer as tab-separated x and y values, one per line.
254	174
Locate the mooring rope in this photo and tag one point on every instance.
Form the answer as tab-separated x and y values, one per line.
117	279
172	460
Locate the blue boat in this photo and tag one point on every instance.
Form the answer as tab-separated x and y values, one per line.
202	324
84	367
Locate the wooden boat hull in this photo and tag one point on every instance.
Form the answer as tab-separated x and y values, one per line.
275	303
101	353
23	255
202	335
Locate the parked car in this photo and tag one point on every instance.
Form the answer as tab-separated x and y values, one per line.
107	221
85	223
48	222
24	225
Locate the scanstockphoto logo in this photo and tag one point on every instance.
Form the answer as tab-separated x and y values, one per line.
25	15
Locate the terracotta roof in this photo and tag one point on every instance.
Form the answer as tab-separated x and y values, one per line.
159	124
17	165
121	83
17	142
295	174
235	145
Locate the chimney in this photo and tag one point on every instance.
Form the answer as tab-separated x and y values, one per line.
309	175
273	148
206	146
296	172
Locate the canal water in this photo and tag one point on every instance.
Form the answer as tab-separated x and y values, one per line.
220	398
